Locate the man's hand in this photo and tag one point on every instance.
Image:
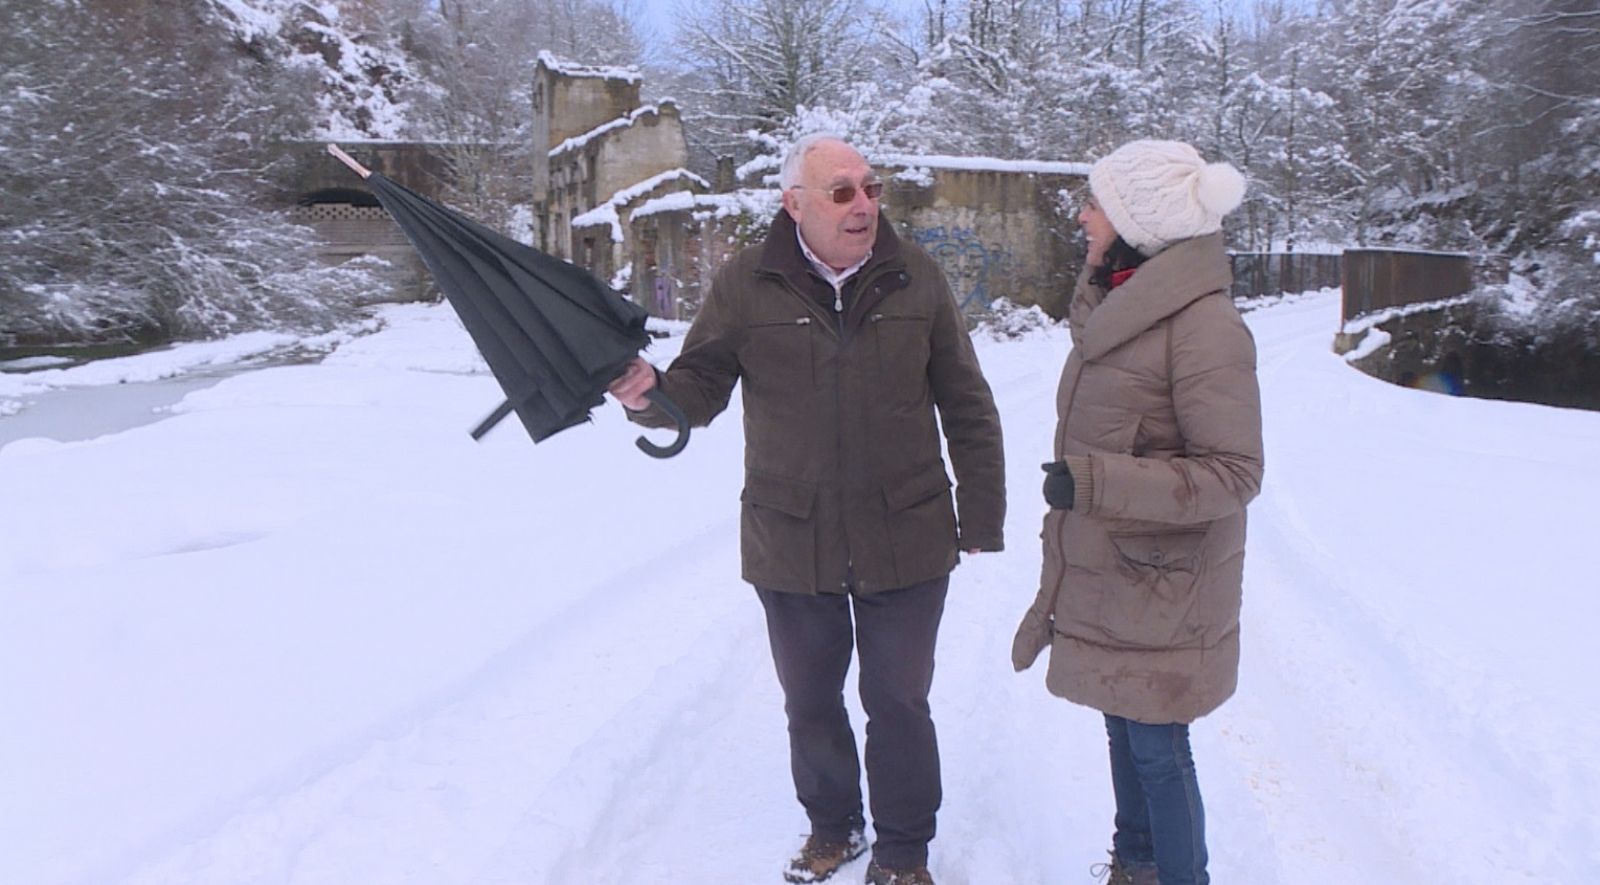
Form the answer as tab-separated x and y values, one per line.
630	388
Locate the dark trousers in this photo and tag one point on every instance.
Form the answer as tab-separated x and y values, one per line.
811	644
1159	819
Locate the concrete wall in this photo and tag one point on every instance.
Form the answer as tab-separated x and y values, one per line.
565	106
583	177
593	246
996	233
417	165
351	230
324	194
577	104
571	193
652	145
675	256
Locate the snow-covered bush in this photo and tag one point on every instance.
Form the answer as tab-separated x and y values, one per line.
1004	319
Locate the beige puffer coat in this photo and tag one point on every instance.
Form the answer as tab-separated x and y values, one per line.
1159	419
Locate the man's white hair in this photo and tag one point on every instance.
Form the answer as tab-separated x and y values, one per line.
789	175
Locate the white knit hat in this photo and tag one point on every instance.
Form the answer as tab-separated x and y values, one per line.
1158	192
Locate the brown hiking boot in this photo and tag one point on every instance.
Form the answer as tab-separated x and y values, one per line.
877	875
820	858
1119	873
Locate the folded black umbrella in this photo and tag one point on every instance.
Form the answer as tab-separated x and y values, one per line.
552	333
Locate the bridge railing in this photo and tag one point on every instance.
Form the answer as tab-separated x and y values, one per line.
1274	273
1378	279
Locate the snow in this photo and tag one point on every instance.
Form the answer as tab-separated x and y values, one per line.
146	366
572	69
982	164
622	122
34	362
920	176
635	191
1372	341
752	202
1520	297
249	21
767	166
605	214
678	201
1407	250
304	630
352	103
1378	317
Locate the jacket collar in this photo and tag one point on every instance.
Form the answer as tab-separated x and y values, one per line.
781	252
1171	280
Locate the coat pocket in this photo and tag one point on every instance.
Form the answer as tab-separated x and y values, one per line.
922	524
779	351
905	344
1150	602
777	537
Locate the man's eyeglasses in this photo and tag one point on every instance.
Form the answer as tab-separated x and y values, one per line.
845	193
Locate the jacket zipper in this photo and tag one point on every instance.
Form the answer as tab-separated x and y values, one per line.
838	395
797	321
1060	548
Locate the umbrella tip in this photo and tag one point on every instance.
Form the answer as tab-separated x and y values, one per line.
348	160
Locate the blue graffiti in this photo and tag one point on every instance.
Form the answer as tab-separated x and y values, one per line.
968	263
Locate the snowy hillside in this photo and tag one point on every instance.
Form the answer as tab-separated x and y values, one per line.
358	72
306	631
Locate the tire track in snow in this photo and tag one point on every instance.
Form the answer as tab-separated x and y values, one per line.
1341	739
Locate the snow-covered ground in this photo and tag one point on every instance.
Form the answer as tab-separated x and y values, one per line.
307	631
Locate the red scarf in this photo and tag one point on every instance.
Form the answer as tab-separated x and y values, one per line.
1118	277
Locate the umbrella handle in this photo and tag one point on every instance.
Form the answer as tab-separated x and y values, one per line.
676	414
495	417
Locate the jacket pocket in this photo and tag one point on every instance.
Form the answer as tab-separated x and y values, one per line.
1150	601
792	497
921	524
779	350
904	343
777	537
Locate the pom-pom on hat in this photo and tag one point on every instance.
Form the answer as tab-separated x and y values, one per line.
1158	192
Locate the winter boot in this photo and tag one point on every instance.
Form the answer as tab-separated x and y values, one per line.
1119	873
877	875
820	858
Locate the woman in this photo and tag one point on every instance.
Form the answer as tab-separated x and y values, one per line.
1158	450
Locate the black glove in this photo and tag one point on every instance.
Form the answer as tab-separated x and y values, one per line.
1058	485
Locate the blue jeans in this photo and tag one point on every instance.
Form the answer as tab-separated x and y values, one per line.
1159	817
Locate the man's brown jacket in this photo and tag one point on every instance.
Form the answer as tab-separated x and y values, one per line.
843	471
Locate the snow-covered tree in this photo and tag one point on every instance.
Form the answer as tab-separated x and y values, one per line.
136	155
747	66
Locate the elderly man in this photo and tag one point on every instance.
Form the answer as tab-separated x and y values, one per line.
848	341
